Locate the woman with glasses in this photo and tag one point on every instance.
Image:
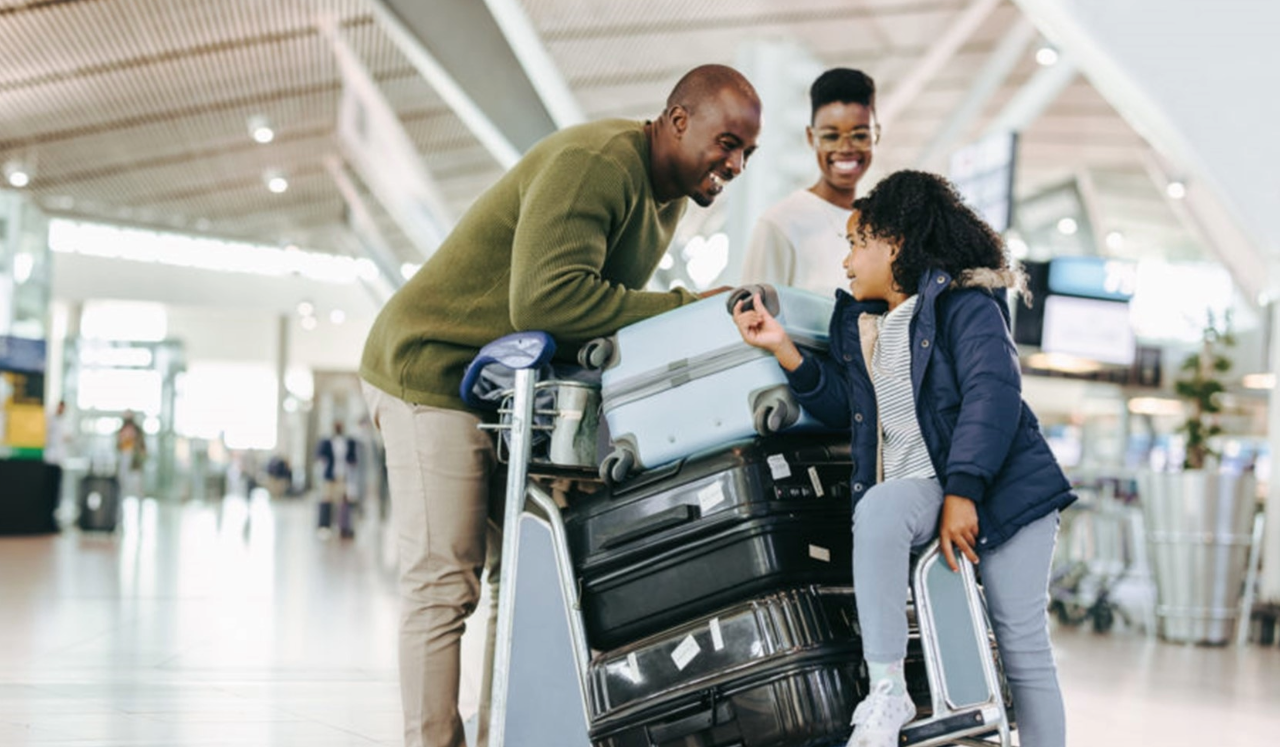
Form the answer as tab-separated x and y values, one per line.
800	241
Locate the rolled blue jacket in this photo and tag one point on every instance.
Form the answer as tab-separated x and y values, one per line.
983	439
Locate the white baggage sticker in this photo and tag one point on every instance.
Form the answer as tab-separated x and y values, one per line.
817	483
710	497
717	640
820	553
685	652
633	667
778	467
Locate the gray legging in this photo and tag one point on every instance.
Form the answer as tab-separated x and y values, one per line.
897	515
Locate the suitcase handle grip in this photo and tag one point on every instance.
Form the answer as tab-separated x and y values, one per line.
672	517
768	295
715	713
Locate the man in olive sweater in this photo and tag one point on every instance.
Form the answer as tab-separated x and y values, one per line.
564	242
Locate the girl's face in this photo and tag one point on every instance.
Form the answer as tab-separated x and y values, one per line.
869	265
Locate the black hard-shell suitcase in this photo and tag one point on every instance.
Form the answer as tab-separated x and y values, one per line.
684	540
782	669
98	503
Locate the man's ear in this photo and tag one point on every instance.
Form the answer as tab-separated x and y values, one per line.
808	134
678	116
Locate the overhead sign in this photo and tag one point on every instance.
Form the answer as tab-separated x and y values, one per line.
22	354
1088	328
382	153
983	173
1093	277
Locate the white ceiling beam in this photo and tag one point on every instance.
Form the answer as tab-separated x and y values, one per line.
1004	58
1034	97
1211	224
453	94
901	95
488	64
542	71
363	226
1091	203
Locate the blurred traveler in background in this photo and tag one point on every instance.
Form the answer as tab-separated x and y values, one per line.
337	454
131	451
58	438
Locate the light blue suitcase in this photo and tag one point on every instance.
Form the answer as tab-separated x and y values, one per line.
684	382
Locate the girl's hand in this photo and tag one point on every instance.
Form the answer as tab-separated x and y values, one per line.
760	329
958	529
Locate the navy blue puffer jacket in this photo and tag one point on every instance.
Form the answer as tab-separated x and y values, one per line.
983	440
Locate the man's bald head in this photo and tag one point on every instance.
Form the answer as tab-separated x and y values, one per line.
705	136
706	82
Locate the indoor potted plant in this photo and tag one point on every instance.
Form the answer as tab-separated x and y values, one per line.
1199	518
1200	387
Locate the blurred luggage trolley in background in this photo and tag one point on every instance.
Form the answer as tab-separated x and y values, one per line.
710	573
1100	568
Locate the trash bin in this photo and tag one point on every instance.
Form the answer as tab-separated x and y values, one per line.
1199	531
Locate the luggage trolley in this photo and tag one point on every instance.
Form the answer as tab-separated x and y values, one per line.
967	702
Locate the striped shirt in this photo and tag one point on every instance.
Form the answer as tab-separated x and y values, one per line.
905	454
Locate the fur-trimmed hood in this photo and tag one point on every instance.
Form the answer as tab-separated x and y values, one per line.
1012	278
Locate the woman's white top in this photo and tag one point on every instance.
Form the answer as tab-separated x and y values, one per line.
800	241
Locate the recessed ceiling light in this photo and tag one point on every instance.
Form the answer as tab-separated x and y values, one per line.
1068	226
1176	190
260	129
1047	56
276	182
17	174
1115	240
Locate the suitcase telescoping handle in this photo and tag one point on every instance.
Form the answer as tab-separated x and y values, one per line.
672	517
767	294
714	714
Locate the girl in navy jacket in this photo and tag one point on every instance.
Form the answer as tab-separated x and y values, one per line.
923	371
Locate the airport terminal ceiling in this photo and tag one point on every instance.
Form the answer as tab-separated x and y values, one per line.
144	112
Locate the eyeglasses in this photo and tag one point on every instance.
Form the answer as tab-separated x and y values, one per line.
862	138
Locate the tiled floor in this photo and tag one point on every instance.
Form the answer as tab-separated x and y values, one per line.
231	624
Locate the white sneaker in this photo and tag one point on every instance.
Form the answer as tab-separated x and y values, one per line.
880	716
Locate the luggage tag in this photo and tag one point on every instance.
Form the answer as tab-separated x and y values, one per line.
817	483
710	497
778	467
717	639
685	652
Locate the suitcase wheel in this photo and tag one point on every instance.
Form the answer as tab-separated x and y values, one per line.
772	415
617	465
596	353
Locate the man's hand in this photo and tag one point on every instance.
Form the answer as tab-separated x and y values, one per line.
715	291
760	329
958	529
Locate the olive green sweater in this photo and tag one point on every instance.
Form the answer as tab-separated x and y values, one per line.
562	243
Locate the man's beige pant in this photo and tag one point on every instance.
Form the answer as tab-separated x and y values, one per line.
440	468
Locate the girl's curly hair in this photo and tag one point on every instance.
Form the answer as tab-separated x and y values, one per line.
924	214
